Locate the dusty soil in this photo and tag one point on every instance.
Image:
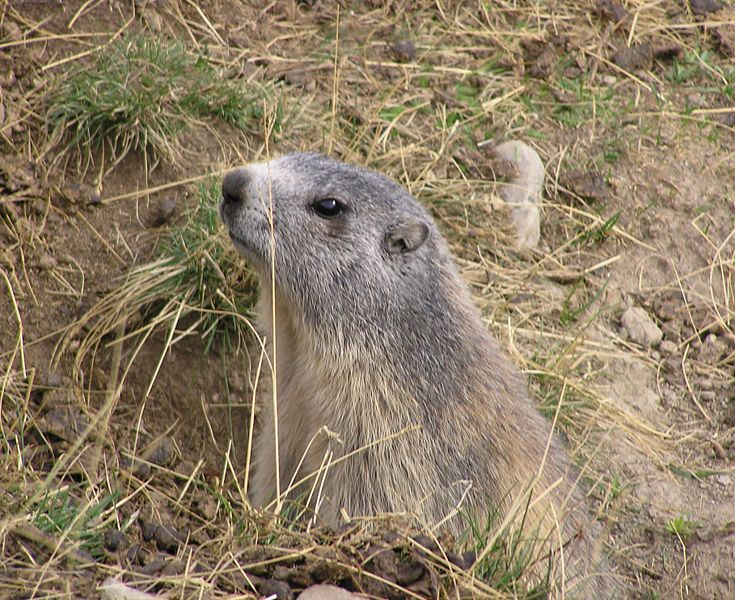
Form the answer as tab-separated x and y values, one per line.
658	428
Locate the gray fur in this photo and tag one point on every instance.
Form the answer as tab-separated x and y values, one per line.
377	333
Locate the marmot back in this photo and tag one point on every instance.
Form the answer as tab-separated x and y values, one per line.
392	397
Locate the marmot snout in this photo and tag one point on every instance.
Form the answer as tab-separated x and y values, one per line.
392	397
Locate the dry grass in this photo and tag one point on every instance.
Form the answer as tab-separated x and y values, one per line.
417	116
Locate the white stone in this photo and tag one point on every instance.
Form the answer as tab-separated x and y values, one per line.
640	328
523	193
327	592
668	347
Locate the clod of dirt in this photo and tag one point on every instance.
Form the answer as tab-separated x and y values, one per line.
542	55
728	415
152	19
725	34
410	573
162	213
162	452
167	538
154	566
702	7
45	381
65	423
403	51
711	350
634	58
544	64
425	543
588	185
17	174
7	75
640	328
326	592
115	540
667	347
298	74
279	589
46	262
77	193
666	50
612	10
11	30
464	561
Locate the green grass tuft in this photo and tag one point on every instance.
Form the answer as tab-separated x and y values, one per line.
139	95
58	514
201	255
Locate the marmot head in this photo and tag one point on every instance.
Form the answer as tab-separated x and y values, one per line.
353	250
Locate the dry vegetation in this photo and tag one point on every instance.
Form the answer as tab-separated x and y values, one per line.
125	384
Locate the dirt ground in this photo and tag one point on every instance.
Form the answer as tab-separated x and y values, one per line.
631	107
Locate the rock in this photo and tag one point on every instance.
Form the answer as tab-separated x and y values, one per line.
279	590
161	453
634	58
523	193
112	589
667	347
702	7
588	185
46	262
326	592
168	538
640	328
63	422
162	213
404	51
115	540
725	480
712	349
612	10
725	36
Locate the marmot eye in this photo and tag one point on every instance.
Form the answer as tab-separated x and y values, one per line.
328	208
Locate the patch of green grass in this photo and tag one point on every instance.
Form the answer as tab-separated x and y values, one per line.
578	301
701	66
505	558
682	526
185	286
575	103
140	93
58	514
598	234
201	256
693	473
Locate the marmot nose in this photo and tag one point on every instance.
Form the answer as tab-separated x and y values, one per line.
234	186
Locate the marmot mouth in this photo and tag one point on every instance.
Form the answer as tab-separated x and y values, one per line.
248	250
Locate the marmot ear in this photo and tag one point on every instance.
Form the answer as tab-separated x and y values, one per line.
405	236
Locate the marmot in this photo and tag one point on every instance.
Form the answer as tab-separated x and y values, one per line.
392	396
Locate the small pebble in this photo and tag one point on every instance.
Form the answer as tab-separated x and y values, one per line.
640	328
115	540
280	589
667	347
